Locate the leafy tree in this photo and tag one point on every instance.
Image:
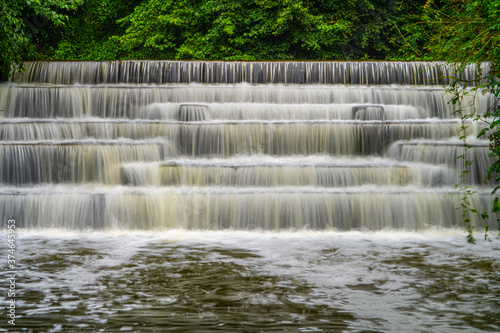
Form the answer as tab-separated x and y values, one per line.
232	30
256	30
18	31
413	30
465	31
86	35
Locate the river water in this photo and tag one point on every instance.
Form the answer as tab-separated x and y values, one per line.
301	281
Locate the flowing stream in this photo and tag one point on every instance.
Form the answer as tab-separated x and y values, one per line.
225	196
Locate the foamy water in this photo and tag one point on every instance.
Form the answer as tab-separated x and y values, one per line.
203	281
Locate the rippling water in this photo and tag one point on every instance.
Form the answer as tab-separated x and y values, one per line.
189	281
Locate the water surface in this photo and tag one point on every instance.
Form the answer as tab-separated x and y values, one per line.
229	281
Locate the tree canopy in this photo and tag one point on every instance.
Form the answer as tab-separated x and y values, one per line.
251	30
23	23
211	29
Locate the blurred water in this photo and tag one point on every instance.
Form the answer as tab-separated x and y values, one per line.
153	196
229	281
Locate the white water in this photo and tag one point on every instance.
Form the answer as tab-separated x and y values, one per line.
236	280
311	72
212	196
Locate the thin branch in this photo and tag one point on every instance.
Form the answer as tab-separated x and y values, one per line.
407	41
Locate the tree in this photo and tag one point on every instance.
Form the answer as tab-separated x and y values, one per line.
21	21
232	30
86	34
257	30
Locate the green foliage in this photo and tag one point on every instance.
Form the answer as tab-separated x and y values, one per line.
233	30
411	33
213	29
87	33
466	31
21	20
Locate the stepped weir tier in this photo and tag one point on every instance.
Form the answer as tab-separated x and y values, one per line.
222	196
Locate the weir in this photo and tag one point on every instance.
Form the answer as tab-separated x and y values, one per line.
239	145
309	72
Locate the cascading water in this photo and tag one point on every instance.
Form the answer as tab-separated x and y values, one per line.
347	136
134	154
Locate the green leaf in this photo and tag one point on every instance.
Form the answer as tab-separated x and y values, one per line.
496	206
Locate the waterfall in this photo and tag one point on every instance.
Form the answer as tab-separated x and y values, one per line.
305	72
239	145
